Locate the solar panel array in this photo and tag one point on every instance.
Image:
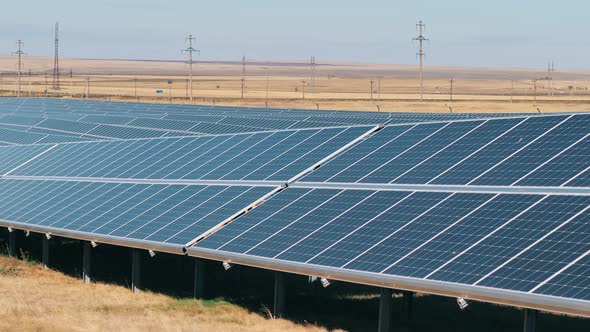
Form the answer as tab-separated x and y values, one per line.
98	120
479	202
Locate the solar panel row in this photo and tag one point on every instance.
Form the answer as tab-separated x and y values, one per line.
276	155
540	151
485	204
172	213
507	241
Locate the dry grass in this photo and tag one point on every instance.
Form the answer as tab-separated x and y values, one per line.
36	299
343	86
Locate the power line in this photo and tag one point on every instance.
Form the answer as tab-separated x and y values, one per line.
19	53
421	54
190	51
56	59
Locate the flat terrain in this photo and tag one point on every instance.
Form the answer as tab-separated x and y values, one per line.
343	86
37	299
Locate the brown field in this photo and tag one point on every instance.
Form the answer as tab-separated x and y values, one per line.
343	86
37	299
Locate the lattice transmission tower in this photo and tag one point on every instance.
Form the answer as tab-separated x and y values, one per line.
421	53
190	51
56	59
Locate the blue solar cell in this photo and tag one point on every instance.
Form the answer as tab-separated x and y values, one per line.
465	233
561	169
560	247
571	283
12	157
174	214
552	142
502	148
508	241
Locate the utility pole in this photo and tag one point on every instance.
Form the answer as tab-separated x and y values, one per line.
312	67
87	87
19	53
421	54
243	75
550	70
266	72
451	93
303	88
170	90
190	51
56	59
372	82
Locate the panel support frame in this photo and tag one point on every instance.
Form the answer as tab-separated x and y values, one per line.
86	262
45	252
279	294
135	270
385	310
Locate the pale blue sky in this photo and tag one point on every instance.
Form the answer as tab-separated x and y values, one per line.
463	32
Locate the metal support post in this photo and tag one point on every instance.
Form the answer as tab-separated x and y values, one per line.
407	304
135	270
199	283
530	320
385	310
87	262
279	294
12	244
45	252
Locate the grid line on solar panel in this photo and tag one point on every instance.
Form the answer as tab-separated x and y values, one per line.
559	272
572	282
499	274
531	142
511	239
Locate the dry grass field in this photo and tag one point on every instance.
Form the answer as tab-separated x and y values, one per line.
343	86
36	299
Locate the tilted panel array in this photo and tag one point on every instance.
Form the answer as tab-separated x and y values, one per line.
167	213
165	190
490	207
120	120
508	241
539	151
275	156
494	204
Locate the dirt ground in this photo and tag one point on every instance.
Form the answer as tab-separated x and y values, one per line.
338	86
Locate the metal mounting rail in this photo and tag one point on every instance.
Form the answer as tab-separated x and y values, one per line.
231	218
569	191
334	154
187	182
99	238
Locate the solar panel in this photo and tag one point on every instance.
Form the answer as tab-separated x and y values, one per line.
495	152
264	156
174	214
509	241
